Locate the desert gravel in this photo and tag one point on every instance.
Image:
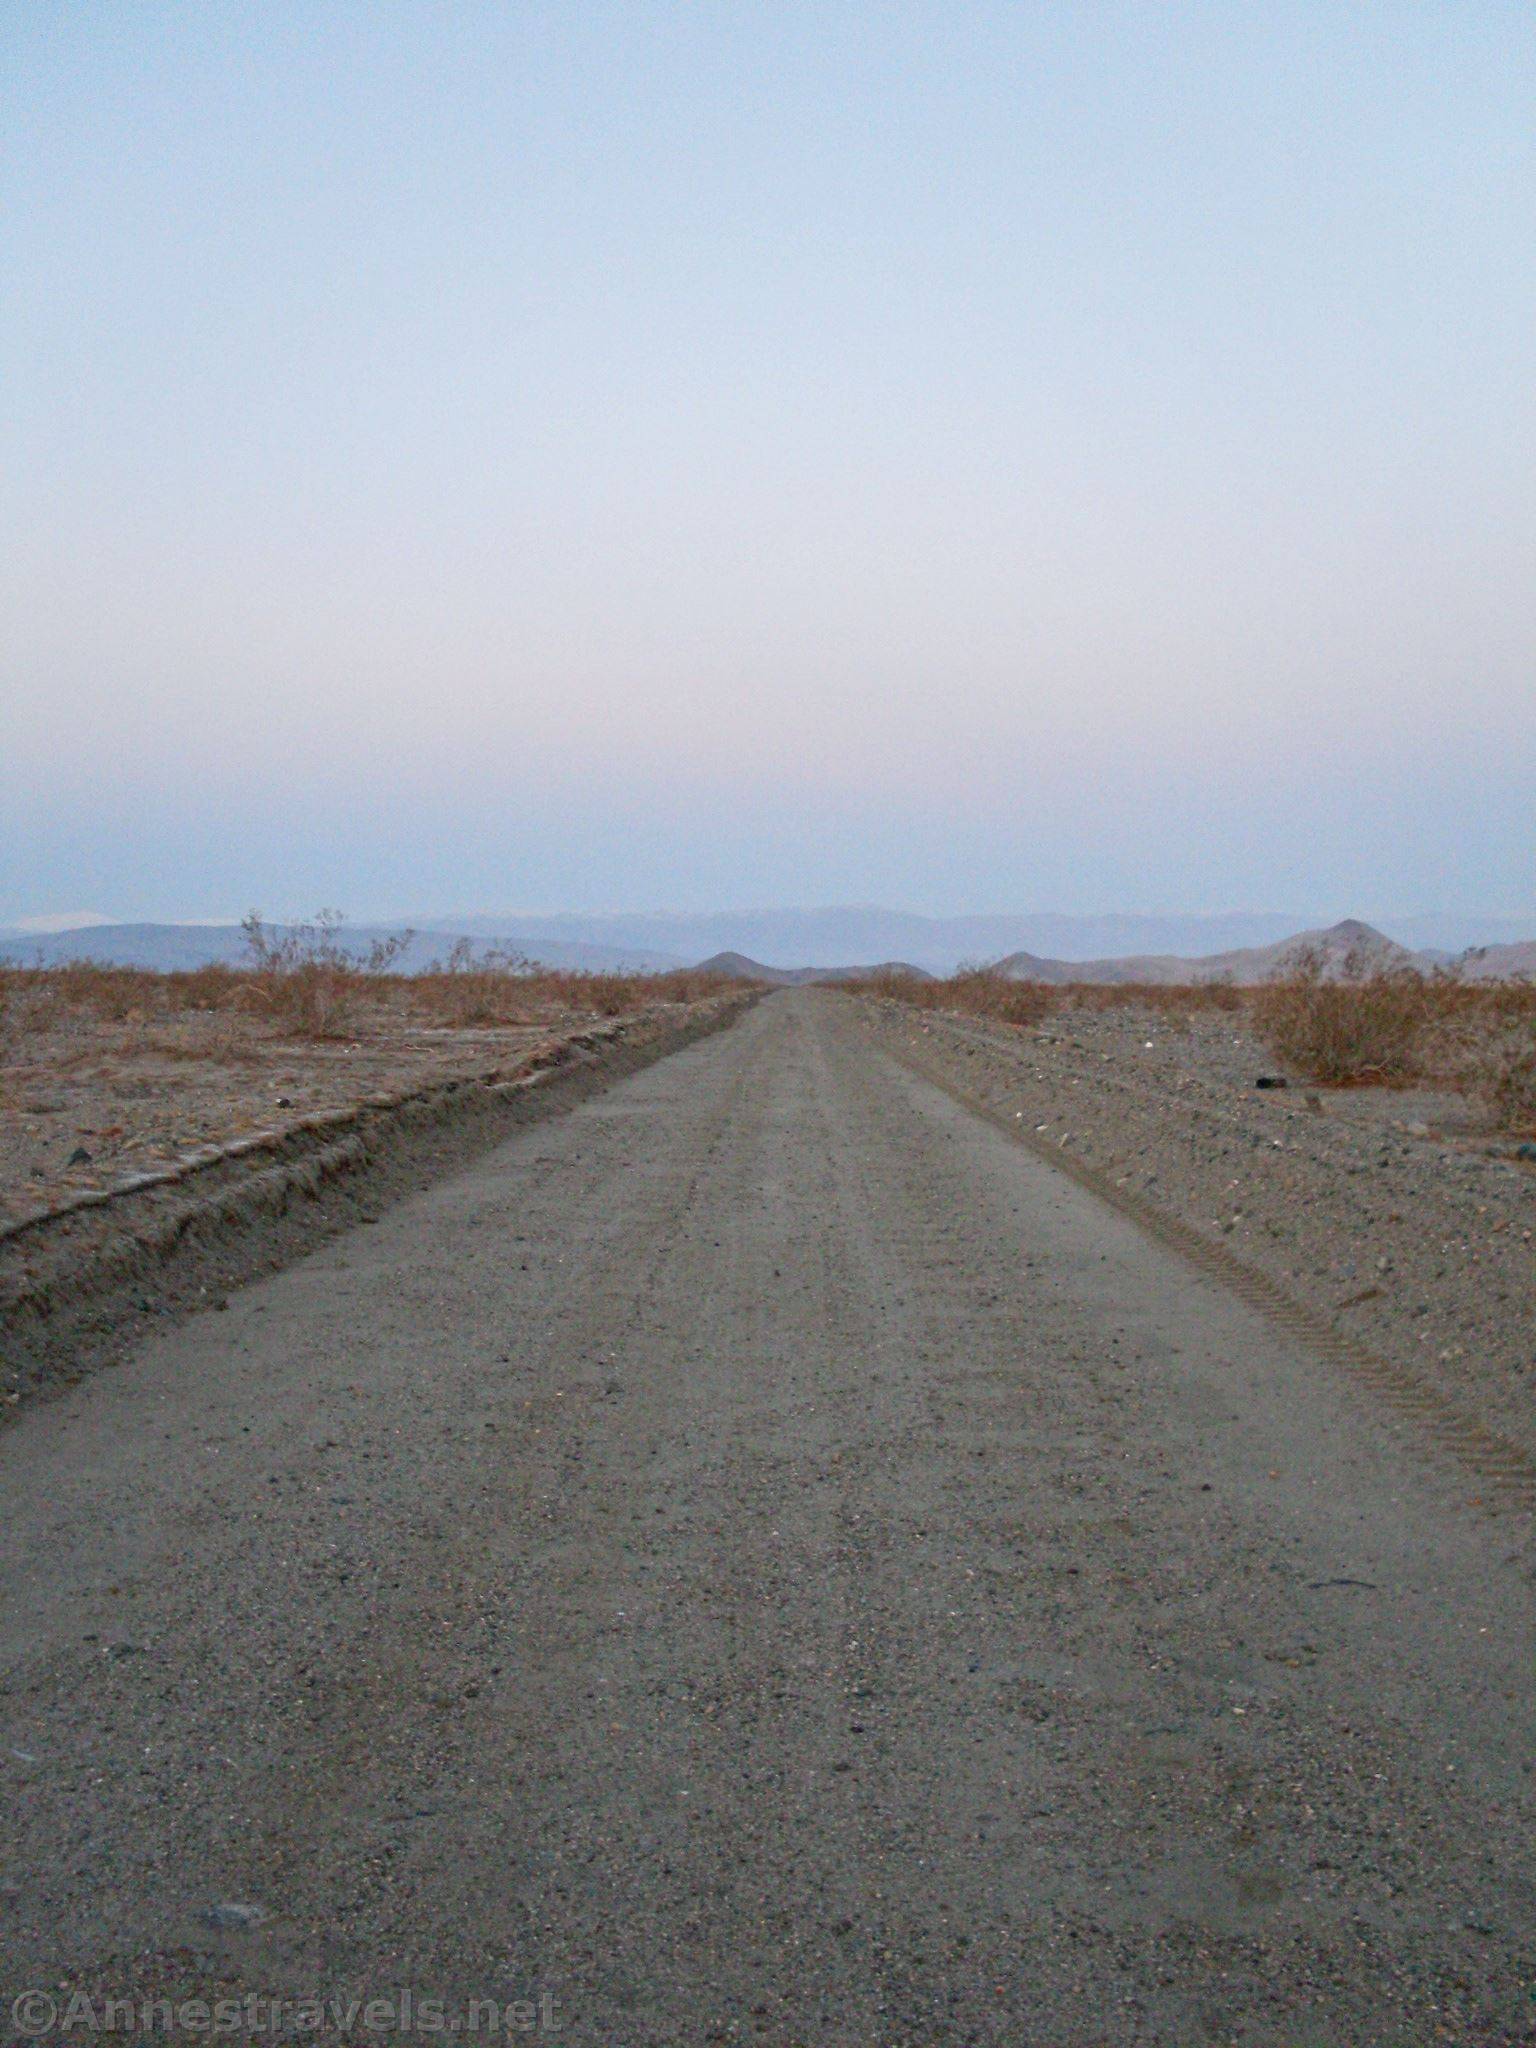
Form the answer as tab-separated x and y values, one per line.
766	1558
1393	1211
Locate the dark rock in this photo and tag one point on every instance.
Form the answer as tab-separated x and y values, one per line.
1271	1081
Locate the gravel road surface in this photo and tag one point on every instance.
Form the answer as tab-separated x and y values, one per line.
764	1558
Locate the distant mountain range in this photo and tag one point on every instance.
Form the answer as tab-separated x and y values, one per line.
740	968
818	945
175	946
1244	966
793	938
1247	965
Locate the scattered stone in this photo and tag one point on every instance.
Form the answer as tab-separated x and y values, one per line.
79	1157
1348	1184
1271	1081
232	1914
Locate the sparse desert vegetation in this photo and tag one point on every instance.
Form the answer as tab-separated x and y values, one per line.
304	982
1350	1022
1494	1047
988	992
1395	1026
112	1070
978	991
1358	1023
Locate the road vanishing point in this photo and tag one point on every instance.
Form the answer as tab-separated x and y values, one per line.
763	1557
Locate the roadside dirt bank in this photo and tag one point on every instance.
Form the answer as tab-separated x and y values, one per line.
80	1283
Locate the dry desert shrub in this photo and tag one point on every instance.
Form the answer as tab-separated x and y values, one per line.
985	992
40	1001
1174	1001
214	987
615	995
500	987
1503	1072
1489	1049
1350	1022
113	993
1362	1022
977	991
29	1007
982	992
606	995
302	982
898	988
307	980
467	988
690	985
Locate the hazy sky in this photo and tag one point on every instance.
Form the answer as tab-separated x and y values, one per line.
963	456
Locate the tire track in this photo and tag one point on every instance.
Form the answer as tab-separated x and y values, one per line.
1504	1467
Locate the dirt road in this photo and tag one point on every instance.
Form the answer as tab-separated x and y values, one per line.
764	1558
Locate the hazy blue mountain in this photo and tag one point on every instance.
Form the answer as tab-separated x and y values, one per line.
791	938
739	968
162	946
1243	965
807	943
176	946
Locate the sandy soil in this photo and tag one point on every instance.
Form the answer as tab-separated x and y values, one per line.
91	1101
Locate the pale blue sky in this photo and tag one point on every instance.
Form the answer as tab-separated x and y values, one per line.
971	457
